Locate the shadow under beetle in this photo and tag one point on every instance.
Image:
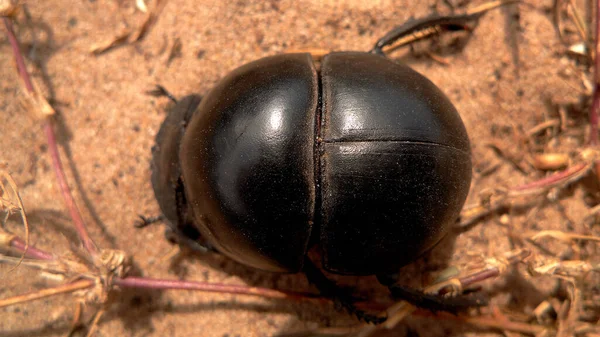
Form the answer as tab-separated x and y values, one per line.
364	157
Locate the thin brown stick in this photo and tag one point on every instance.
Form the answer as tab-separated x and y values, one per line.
552	123
76	323
62	289
148	283
471	214
51	138
579	24
490	271
553	179
94	324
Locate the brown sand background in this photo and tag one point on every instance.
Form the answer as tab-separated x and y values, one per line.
106	126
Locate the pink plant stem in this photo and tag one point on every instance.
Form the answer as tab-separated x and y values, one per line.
18	56
49	130
479	276
32	252
88	244
490	272
149	283
552	179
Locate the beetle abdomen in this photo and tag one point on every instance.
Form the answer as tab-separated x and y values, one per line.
395	164
247	162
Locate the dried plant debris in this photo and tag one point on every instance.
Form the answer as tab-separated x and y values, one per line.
115	41
141	5
127	35
10	202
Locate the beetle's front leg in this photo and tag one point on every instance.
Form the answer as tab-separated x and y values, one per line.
183	239
145	221
341	298
432	302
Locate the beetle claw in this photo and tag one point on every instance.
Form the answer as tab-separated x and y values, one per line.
178	238
340	297
146	221
436	303
347	302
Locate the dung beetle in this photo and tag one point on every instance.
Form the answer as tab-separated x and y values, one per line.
363	157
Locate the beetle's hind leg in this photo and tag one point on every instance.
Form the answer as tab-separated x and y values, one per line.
160	91
145	221
341	298
453	304
422	28
417	29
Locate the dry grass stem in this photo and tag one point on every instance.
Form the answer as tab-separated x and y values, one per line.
21	209
52	144
93	326
127	36
562	236
494	201
62	289
120	39
552	123
150	20
581	27
494	322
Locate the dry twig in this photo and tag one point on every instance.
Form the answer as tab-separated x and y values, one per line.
18	208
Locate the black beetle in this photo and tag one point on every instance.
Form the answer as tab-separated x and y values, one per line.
363	157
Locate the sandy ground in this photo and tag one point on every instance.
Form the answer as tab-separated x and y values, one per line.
505	80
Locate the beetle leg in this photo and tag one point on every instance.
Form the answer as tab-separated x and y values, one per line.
160	91
147	221
340	297
452	304
180	238
418	29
